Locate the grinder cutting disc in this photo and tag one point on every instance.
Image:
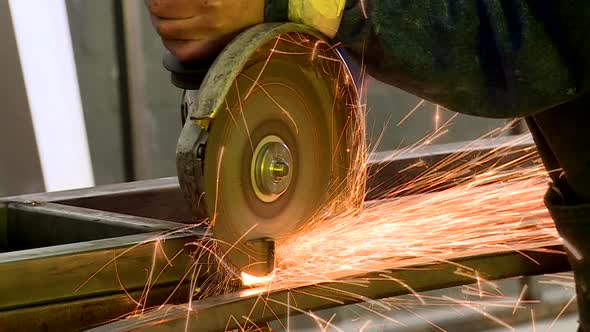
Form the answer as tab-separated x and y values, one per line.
280	143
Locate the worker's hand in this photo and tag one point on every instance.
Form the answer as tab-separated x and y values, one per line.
197	29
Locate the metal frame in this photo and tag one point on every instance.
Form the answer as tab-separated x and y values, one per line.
238	310
40	283
66	266
90	268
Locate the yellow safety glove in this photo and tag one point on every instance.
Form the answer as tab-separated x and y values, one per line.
323	15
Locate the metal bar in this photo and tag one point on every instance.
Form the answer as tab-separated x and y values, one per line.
36	225
86	313
128	188
237	310
23	212
65	245
163	203
92	268
391	169
156	199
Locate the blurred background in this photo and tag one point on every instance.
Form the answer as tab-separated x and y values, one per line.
86	101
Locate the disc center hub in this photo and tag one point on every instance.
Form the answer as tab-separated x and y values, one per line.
272	168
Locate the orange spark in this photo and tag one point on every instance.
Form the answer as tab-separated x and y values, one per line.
250	280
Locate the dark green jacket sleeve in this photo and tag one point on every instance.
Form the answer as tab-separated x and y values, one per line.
492	58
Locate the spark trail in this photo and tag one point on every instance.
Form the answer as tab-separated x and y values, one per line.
410	230
499	208
449	211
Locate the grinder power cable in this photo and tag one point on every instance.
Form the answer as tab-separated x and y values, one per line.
271	132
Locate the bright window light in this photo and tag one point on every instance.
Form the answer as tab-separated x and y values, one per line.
49	69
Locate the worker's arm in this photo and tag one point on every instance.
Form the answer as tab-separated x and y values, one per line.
485	57
194	29
493	58
197	29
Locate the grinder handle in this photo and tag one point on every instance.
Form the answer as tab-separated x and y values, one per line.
186	75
